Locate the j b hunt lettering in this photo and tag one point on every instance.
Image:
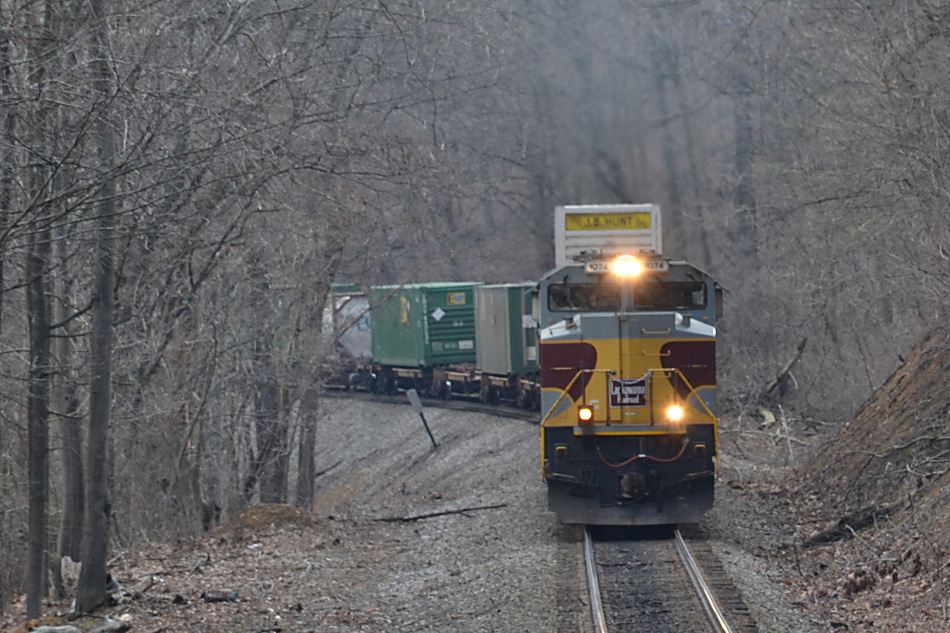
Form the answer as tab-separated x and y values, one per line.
607	221
628	392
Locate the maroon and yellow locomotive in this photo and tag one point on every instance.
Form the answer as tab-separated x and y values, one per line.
628	373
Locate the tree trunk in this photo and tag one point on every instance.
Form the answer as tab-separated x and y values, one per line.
270	440
660	67
91	591
38	310
38	415
745	231
306	470
68	403
6	163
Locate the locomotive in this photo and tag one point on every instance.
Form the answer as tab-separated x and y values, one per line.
628	373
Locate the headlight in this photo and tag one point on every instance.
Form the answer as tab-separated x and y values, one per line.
585	415
675	413
627	266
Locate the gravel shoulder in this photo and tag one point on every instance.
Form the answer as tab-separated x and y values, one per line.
754	529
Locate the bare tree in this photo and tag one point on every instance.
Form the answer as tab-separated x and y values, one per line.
39	391
91	590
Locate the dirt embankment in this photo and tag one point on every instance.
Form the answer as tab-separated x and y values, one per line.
875	505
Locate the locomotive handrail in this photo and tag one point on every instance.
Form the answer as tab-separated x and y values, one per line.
705	406
668	370
558	401
646	331
568	388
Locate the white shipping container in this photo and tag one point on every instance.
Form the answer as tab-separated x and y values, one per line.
601	231
346	323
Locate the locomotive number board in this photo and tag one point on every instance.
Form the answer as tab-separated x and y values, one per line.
602	268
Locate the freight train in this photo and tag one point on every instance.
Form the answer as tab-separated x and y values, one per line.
615	348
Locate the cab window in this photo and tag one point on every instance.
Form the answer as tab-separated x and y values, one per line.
584	297
671	295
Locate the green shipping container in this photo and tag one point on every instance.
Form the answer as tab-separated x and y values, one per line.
506	333
423	325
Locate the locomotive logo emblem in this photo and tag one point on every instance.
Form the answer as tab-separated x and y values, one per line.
627	392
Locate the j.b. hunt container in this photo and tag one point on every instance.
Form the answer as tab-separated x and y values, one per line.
423	325
603	231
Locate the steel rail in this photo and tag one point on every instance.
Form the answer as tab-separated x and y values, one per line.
702	589
593	587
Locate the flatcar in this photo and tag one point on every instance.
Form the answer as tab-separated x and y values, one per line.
627	343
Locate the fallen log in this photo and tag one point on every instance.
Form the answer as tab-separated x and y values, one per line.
786	370
429	515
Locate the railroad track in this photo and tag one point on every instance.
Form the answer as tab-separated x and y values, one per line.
655	584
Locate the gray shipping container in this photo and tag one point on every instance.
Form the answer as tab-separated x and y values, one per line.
505	330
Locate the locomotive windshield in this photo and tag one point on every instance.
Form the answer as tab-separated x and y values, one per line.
584	297
648	295
669	295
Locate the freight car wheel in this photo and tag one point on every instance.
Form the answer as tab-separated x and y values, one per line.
443	390
522	400
529	401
